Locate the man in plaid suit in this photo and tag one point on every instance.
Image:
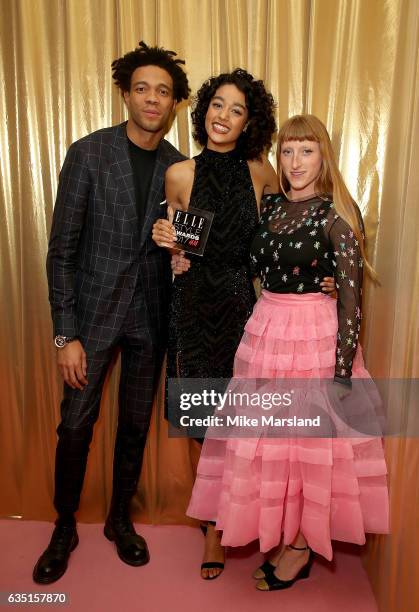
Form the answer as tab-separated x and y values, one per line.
109	289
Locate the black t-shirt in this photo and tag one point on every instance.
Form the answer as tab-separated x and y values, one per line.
142	163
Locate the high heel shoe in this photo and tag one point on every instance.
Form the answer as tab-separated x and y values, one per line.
210	564
273	583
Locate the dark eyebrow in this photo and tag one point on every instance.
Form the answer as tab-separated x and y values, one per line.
234	104
146	83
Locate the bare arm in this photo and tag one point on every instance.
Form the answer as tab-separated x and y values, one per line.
264	178
178	187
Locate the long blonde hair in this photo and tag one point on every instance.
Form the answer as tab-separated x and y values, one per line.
330	180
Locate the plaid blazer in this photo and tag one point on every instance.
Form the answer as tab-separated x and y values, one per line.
96	254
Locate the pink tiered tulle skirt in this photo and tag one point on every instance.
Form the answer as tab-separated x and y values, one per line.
261	488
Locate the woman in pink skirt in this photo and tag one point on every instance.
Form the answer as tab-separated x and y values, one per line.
303	492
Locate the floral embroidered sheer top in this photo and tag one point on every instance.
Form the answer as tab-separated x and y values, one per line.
296	245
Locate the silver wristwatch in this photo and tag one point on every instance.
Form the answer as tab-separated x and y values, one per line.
62	341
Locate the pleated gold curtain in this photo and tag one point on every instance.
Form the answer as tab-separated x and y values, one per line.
354	63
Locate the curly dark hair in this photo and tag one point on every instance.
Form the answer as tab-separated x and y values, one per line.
143	55
261	126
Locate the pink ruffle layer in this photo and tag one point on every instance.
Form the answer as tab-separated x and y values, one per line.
260	488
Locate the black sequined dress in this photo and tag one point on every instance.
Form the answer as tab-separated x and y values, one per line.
213	300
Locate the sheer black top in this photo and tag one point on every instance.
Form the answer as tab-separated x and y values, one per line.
300	242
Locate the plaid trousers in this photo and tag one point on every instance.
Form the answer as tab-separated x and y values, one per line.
141	362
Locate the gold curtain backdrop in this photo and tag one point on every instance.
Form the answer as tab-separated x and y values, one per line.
354	63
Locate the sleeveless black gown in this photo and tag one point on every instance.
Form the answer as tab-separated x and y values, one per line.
213	300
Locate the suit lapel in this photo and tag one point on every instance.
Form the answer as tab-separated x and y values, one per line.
156	193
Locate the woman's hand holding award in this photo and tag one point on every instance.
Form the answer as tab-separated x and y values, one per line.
184	230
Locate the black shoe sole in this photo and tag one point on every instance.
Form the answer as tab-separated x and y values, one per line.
109	534
57	576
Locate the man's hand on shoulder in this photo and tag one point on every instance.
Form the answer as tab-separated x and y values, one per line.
72	363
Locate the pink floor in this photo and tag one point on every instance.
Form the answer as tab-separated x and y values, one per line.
97	581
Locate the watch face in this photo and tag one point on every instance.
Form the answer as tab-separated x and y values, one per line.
60	341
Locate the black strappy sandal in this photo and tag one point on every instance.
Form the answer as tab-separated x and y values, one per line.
276	584
210	564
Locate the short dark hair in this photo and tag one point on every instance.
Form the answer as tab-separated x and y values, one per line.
261	126
143	55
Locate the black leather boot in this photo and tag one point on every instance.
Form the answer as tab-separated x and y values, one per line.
131	547
53	562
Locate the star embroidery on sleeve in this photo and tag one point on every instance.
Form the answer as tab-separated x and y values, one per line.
343	274
317	245
314	263
284	278
271	243
291	244
298	245
341	361
348	322
313	232
351	262
323	222
262	250
349	341
300	287
296	271
351	251
351	282
275	256
316	280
